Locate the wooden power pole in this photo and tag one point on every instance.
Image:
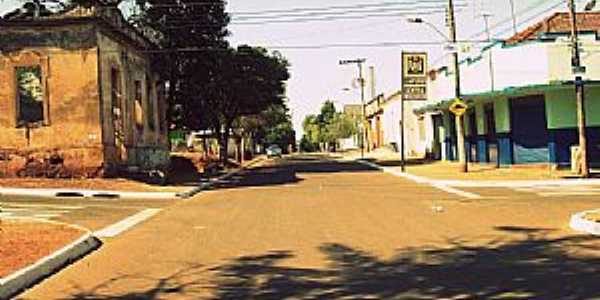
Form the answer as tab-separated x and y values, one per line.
579	92
460	128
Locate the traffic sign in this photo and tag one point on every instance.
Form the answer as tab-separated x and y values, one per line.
414	76
458	107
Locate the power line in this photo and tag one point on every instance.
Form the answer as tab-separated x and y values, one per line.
312	14
561	2
279	47
343	7
335	18
184	24
518	14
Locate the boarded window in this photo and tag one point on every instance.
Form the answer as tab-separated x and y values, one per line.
115	94
160	102
139	114
150	105
30	95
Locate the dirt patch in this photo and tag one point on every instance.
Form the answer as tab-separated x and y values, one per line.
25	242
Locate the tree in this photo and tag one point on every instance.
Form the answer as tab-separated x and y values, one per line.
342	126
189	33
210	84
235	83
327	128
272	126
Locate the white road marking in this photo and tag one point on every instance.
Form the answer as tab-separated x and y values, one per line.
45	216
127	223
41	211
455	191
555	191
422	180
14	204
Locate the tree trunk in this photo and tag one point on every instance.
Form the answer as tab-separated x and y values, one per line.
223	146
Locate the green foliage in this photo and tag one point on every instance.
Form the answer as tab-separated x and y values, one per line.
307	146
211	85
342	126
272	126
327	128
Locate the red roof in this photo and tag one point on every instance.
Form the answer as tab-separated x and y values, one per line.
558	23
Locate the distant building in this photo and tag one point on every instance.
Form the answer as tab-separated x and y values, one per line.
354	111
79	85
521	97
384	115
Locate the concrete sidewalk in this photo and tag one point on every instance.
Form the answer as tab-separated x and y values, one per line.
93	193
449	174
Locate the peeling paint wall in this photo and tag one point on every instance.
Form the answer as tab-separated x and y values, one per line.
143	146
70	103
76	63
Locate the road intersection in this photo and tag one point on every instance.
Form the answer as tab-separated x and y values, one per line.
308	227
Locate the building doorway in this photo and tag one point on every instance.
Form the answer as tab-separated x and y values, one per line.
117	116
529	129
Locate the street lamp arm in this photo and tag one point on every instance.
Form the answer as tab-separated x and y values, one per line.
421	21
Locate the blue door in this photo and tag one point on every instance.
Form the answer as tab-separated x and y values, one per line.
529	129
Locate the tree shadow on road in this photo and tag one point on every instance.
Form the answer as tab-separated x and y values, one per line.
180	283
518	263
534	267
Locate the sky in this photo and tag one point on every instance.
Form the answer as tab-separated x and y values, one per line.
316	75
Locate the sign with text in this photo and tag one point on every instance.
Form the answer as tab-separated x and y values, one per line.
414	76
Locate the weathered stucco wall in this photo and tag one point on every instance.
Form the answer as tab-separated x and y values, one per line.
142	146
71	124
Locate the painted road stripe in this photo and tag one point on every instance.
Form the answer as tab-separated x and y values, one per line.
14	204
455	191
555	194
422	180
127	223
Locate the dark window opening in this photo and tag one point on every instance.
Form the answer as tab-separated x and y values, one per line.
30	95
150	104
139	114
160	99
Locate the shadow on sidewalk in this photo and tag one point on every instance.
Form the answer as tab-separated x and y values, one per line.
398	163
522	263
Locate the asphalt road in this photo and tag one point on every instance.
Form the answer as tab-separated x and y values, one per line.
308	227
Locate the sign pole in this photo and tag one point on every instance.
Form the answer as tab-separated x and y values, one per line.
402	147
414	88
460	128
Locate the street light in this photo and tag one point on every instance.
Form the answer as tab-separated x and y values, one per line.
451	38
421	21
360	62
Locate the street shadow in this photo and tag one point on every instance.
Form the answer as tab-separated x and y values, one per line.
516	263
534	266
398	163
287	171
183	282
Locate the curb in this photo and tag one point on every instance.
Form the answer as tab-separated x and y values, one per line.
17	282
207	185
56	193
578	223
484	183
421	180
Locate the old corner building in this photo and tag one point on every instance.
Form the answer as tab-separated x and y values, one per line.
79	86
521	97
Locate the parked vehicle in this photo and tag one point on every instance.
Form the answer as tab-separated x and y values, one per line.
274	151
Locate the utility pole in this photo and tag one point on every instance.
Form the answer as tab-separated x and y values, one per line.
513	16
361	80
579	92
460	128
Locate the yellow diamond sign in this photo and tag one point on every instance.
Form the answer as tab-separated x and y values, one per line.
458	107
